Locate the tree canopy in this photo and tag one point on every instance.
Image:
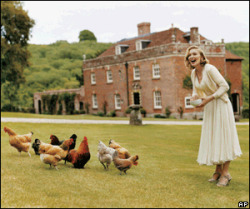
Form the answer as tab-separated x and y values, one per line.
85	35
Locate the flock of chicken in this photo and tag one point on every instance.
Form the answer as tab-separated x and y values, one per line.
58	150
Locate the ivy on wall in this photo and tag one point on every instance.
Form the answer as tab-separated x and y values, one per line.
187	82
50	101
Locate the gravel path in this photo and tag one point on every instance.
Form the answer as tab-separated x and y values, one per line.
68	121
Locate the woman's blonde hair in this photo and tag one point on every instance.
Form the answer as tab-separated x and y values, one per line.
204	60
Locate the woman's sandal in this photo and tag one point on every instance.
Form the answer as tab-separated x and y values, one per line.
213	179
227	177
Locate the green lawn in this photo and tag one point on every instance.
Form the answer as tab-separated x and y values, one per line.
167	174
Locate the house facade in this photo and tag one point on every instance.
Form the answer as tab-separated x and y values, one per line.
149	70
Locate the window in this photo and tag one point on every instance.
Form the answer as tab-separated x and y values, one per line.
117	101
109	76
156	71
94	101
119	49
187	103
157	99
93	81
141	44
136	73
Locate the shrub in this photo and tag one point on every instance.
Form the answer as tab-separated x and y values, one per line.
159	116
82	112
168	112
101	114
143	112
128	111
245	113
111	114
180	110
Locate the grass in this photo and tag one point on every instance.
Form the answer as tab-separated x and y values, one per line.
167	174
84	117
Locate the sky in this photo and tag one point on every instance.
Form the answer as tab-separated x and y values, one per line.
112	21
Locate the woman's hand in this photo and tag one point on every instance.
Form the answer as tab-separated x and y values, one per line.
194	98
205	101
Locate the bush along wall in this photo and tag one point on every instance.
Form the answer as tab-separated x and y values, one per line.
49	103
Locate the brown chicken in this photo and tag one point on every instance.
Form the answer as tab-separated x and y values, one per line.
123	152
124	164
55	141
80	156
61	150
21	142
50	159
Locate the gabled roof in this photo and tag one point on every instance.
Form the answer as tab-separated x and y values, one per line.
157	39
231	56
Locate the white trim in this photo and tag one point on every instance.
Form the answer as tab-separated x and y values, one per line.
93	79
157	99
117	101
109	76
136	73
187	103
154	67
94	101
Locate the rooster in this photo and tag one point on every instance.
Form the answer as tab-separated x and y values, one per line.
50	159
80	156
124	164
36	145
55	140
105	154
123	152
73	144
21	142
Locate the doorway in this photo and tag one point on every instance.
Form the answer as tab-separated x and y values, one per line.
136	98
236	103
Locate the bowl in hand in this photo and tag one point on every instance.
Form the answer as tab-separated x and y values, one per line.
196	102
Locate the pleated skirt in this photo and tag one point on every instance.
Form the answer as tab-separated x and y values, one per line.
219	139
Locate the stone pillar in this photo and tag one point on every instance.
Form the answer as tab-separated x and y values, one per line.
135	115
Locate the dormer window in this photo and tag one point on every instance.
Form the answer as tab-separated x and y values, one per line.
207	42
141	44
119	49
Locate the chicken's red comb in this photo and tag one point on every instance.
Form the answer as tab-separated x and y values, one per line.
85	138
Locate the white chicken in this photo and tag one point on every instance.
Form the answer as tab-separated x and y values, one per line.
105	154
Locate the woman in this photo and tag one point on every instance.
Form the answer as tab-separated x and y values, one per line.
219	143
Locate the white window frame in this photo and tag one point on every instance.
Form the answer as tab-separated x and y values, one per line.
136	73
94	101
117	101
138	45
93	79
156	71
157	100
187	103
109	76
118	50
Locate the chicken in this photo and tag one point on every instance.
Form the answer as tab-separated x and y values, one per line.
36	145
21	142
50	159
123	152
105	154
61	150
55	140
73	144
124	164
80	156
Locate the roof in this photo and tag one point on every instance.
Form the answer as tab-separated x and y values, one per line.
156	38
231	56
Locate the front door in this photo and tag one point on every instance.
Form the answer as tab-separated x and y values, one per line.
136	98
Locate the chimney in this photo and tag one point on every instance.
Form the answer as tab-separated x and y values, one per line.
194	35
143	28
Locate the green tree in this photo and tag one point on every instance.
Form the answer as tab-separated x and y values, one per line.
15	31
86	35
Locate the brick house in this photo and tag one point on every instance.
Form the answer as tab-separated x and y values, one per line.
149	70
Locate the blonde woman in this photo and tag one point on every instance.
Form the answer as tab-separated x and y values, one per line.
219	143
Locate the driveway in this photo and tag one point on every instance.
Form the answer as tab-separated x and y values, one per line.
68	121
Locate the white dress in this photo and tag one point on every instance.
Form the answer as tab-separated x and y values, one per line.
219	139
